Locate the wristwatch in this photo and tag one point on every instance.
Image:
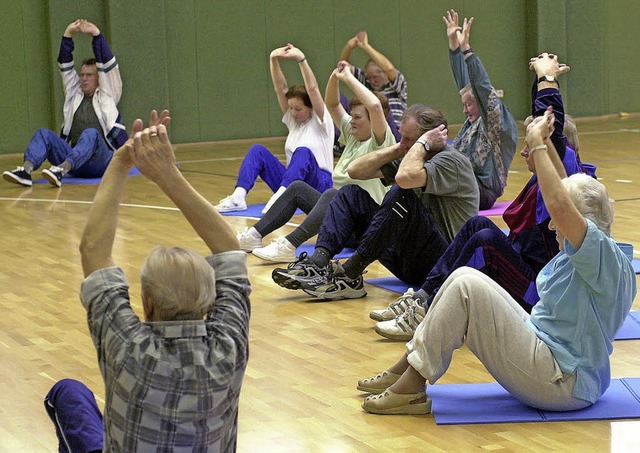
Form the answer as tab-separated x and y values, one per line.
548	78
424	143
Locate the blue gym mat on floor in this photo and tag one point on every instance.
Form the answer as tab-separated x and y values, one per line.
253	210
454	404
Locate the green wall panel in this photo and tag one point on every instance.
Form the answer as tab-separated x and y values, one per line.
208	60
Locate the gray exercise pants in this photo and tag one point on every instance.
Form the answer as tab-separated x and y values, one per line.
470	304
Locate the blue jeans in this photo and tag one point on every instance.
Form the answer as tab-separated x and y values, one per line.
72	408
303	167
89	158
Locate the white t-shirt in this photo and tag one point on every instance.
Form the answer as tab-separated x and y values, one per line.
316	135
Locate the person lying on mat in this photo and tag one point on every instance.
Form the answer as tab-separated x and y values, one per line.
363	132
513	260
92	129
489	135
172	382
415	122
436	192
309	145
557	357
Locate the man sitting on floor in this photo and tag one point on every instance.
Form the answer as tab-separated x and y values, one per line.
92	127
436	193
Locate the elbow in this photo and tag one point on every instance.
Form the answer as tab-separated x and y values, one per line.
354	172
405	180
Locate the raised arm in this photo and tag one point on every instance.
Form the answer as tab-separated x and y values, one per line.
378	58
310	82
565	217
96	244
332	98
411	173
345	54
368	99
152	153
546	93
456	58
277	77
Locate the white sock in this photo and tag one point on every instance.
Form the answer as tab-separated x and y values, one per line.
273	199
254	233
240	194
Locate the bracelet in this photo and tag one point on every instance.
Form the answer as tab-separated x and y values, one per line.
303	59
537	148
468	51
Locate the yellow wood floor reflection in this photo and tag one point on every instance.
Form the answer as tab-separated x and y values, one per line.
299	390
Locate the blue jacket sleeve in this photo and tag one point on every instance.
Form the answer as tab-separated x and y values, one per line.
101	49
540	100
459	68
66	50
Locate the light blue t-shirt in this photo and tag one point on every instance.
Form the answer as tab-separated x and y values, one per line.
585	295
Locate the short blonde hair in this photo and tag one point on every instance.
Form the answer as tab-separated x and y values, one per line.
592	200
180	282
467	89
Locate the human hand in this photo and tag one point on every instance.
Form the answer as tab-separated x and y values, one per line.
463	37
540	129
453	28
89	28
280	52
436	138
72	28
547	64
293	53
152	152
343	70
362	39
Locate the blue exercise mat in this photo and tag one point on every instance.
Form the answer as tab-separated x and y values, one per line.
72	180
253	210
454	404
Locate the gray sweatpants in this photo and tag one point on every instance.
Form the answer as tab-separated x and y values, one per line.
472	305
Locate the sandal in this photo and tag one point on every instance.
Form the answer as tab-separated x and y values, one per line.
390	403
378	383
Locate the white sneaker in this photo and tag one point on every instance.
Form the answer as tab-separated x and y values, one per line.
402	327
248	242
228	204
395	308
278	251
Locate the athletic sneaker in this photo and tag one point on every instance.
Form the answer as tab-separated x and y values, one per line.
395	308
278	251
54	175
339	287
248	242
18	176
402	327
229	204
302	274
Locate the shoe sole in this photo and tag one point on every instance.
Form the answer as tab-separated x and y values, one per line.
285	280
352	294
391	336
222	210
407	409
10	177
378	317
51	178
372	390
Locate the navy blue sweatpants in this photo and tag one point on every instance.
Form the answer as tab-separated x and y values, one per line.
400	233
480	244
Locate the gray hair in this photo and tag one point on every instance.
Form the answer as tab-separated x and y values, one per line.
590	197
571	132
467	89
180	283
426	116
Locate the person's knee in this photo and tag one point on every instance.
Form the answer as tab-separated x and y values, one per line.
298	185
302	154
257	150
91	134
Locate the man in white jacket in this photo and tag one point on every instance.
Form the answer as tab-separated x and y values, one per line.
92	127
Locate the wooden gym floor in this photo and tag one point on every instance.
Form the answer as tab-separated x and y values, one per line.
299	389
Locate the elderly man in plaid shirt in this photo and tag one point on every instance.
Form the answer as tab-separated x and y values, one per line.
172	383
